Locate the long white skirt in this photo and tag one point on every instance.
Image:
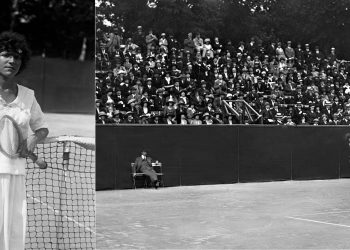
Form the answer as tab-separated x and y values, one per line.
13	212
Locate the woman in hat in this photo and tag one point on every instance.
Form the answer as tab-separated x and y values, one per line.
144	119
196	119
217	119
163	43
207	119
184	98
103	118
145	107
117	118
170	107
20	103
127	64
156	118
207	48
129	118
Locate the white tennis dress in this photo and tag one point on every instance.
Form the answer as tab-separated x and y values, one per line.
13	207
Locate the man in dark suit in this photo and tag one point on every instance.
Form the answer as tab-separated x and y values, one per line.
143	164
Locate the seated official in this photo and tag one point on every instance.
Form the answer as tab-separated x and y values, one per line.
143	164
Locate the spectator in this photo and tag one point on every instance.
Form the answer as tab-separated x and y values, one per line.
113	41
296	82
207	119
196	119
163	43
189	45
183	119
103	119
143	164
139	38
289	52
198	43
151	41
208	50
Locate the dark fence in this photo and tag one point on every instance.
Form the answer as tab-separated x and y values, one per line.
194	155
63	86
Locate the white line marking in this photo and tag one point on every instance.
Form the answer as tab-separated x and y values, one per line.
330	212
320	222
57	212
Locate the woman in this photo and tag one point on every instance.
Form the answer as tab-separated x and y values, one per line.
18	102
196	120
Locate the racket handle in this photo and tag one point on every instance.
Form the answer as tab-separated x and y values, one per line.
40	162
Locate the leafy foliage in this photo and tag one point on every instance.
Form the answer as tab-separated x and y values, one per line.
324	23
54	26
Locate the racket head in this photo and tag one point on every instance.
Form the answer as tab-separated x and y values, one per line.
11	137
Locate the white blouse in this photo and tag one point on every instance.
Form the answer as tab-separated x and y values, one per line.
26	111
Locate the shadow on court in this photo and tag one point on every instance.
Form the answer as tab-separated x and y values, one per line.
274	215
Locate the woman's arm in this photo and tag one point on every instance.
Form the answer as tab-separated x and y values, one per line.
38	136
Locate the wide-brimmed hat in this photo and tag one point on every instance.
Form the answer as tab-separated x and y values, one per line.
144	116
131	100
102	113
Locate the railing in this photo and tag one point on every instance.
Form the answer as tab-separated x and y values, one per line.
243	111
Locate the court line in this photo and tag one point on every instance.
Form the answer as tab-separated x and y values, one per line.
316	221
57	212
330	212
163	203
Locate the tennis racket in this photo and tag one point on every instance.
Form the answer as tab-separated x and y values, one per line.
11	141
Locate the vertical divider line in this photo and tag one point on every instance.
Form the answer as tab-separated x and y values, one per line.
291	165
339	169
238	152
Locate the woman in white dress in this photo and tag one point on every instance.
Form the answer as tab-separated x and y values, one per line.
20	103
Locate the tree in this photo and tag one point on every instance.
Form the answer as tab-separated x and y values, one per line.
324	23
57	27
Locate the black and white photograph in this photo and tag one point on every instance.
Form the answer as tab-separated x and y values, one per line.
47	125
222	124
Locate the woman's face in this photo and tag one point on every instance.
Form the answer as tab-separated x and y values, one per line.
10	64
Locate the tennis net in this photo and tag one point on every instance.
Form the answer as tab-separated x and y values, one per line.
61	198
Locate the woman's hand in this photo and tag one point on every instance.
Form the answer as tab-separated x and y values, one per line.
31	142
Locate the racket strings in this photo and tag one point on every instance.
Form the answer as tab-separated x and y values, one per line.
10	139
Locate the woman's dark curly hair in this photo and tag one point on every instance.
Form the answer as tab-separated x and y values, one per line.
15	42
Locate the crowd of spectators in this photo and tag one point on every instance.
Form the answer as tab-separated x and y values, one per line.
156	79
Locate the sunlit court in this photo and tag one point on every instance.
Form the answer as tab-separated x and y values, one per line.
267	215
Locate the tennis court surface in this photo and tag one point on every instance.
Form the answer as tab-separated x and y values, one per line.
273	215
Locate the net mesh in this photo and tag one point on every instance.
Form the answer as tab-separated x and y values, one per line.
61	199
